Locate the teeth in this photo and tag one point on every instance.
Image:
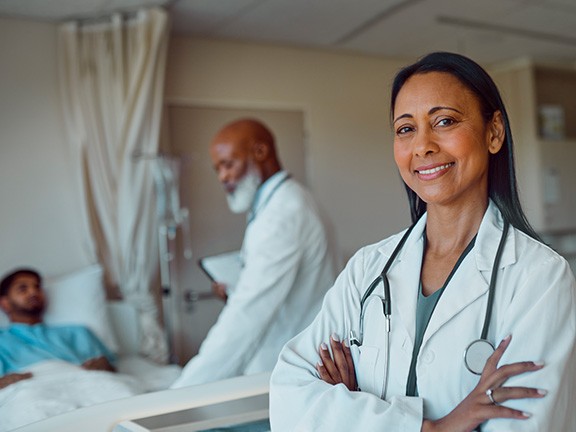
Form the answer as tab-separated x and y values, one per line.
435	170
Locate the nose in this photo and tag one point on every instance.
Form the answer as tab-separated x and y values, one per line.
425	143
223	175
33	291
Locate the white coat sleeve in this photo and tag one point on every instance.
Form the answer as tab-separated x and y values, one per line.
541	317
301	401
272	253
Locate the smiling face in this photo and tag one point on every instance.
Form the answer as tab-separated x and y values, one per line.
442	142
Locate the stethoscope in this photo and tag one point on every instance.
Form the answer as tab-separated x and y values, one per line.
254	211
478	351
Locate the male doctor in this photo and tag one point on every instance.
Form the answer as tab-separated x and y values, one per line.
287	263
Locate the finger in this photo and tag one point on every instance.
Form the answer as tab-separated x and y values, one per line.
218	287
324	375
339	357
503	373
326	359
503	394
351	370
494	359
491	411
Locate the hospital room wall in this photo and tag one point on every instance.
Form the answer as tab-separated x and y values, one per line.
344	99
347	140
40	224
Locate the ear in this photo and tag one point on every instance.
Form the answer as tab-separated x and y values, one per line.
5	304
260	151
496	133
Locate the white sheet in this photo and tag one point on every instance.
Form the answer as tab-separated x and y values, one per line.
150	375
58	387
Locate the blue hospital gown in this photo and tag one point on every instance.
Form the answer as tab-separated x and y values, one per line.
22	345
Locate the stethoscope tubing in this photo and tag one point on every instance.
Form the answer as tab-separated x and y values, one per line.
386	301
492	286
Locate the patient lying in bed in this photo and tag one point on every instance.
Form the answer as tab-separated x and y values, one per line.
28	340
45	369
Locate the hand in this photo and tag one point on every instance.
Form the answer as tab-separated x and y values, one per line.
98	363
341	369
12	378
477	406
219	290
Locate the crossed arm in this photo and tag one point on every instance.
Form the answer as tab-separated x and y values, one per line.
475	409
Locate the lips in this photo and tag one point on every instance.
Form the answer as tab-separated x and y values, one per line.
434	170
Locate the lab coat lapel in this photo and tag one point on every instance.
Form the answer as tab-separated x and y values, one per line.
466	286
472	279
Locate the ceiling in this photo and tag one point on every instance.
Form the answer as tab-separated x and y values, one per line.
487	30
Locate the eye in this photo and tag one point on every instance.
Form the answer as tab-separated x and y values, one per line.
445	121
223	165
402	130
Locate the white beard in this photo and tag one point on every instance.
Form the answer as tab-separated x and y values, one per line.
241	199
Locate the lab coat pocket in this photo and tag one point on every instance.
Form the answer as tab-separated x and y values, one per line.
369	373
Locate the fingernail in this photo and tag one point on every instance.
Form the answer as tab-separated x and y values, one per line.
335	337
542	392
527	415
324	346
539	363
507	338
320	364
346	343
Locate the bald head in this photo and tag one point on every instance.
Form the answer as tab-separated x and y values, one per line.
244	141
244	150
245	132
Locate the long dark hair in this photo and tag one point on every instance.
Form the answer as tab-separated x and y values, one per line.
502	187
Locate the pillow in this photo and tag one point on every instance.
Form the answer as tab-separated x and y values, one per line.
78	298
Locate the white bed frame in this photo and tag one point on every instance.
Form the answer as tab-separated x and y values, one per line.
124	414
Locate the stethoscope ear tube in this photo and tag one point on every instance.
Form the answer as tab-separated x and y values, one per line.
386	301
382	276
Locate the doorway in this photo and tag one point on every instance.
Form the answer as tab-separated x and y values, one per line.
213	228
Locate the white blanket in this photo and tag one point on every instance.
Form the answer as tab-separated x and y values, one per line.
58	387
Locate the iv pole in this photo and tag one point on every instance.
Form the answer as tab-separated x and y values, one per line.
170	217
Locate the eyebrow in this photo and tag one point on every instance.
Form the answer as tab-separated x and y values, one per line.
430	111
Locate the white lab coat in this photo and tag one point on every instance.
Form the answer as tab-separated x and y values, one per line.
288	268
534	302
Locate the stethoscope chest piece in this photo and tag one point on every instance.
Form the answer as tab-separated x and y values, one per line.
476	355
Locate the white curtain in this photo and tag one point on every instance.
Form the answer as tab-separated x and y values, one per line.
112	77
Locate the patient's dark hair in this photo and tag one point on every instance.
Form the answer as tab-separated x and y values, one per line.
9	278
502	187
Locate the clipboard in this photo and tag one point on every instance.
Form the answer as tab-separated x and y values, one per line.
222	268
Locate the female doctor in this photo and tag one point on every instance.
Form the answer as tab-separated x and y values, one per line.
464	322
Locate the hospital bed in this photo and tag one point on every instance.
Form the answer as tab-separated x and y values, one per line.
78	298
235	404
